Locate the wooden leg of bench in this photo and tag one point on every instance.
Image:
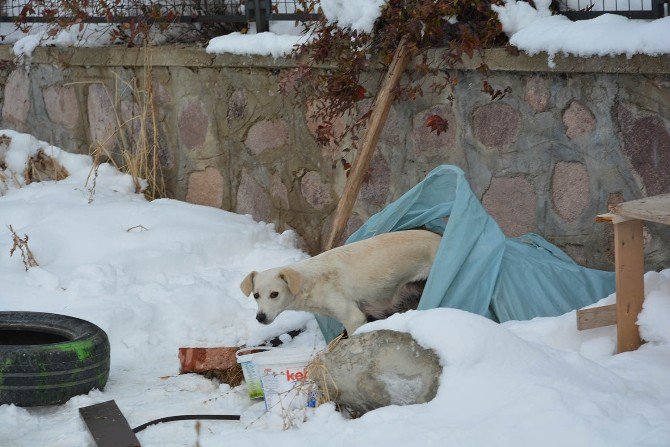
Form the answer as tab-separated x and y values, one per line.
629	265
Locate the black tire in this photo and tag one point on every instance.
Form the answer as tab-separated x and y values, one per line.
45	359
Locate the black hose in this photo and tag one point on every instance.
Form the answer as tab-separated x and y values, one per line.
188	417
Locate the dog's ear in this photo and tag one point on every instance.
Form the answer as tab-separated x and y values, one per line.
248	284
292	279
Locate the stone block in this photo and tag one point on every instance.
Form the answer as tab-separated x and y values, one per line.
646	142
511	201
266	135
330	150
253	199
570	190
392	132
278	190
161	91
353	224
101	118
377	182
426	142
205	187
193	124
62	105
496	124
315	191
615	198
538	93
237	105
576	252
578	120
17	98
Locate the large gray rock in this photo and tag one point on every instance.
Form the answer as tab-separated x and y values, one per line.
376	369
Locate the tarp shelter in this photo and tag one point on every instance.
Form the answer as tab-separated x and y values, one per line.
477	268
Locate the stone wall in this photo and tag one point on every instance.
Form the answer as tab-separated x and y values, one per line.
547	158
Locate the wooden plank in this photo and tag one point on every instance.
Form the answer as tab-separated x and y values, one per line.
629	267
108	425
596	317
652	209
380	111
611	218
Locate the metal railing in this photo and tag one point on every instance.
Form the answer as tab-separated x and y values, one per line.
260	12
633	9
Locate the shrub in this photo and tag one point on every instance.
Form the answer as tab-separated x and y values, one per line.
461	27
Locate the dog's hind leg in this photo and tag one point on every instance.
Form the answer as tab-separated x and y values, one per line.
408	295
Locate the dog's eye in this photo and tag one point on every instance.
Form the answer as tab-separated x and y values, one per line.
274	294
256	295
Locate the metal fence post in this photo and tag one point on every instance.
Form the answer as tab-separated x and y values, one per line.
257	11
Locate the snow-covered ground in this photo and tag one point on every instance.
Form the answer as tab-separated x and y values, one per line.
175	282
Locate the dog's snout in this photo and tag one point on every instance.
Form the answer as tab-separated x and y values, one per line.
261	317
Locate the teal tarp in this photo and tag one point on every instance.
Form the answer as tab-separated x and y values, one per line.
477	268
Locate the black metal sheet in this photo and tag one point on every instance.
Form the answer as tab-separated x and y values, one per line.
108	425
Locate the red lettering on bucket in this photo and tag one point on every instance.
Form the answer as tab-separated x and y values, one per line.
293	376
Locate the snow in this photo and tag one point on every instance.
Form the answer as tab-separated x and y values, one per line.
535	30
175	282
267	43
358	15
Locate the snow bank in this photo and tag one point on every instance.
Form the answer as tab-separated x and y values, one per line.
507	385
535	30
163	274
154	275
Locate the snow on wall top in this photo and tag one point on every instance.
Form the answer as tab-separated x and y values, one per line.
534	30
359	15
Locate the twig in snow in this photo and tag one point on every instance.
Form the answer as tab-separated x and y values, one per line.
140	228
22	244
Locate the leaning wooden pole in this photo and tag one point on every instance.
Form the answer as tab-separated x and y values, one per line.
380	111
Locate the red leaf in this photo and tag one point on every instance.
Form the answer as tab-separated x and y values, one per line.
359	93
437	123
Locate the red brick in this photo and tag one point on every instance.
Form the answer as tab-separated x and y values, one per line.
198	360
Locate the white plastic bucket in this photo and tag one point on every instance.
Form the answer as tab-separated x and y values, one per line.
252	377
284	378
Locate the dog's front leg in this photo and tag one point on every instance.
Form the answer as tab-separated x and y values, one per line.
353	319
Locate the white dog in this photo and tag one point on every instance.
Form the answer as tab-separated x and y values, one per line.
355	283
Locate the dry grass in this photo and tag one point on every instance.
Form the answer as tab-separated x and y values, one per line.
22	245
41	167
317	370
135	136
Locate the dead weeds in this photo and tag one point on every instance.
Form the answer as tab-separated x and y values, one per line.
41	167
22	245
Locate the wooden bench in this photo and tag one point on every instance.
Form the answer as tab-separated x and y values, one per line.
628	220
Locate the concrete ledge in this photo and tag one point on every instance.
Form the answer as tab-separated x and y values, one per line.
498	59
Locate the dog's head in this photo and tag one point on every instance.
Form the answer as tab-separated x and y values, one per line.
273	291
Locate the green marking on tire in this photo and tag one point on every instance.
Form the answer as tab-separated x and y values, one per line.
80	347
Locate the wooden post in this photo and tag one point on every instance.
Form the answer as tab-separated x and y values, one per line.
380	111
629	267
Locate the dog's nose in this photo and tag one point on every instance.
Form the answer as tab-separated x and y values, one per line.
261	317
